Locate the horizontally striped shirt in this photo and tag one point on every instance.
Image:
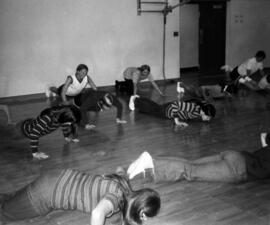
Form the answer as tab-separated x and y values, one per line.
42	125
182	110
79	191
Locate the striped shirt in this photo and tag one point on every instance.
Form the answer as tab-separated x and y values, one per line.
182	110
79	191
44	124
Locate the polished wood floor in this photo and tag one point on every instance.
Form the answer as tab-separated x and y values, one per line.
237	126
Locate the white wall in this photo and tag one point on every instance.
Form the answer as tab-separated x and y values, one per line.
189	35
41	42
248	30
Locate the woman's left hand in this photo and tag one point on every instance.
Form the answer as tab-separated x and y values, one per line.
119	121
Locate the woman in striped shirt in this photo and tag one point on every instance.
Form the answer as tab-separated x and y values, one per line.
49	120
176	110
100	196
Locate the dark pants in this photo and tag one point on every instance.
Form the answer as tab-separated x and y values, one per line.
125	86
234	75
145	105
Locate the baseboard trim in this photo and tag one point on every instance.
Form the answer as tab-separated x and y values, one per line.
22	99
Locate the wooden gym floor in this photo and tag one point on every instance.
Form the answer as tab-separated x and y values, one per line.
237	126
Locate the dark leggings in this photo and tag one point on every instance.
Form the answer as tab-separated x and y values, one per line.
125	86
234	75
145	105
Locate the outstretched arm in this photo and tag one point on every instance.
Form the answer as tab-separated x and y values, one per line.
91	83
98	215
157	88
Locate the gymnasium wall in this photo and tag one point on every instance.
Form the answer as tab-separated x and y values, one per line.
248	30
189	35
42	42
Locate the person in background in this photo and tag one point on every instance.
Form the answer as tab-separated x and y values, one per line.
242	74
100	196
97	101
74	85
49	120
132	76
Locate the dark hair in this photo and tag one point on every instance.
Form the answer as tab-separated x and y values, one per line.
260	54
145	67
208	109
268	78
146	200
81	67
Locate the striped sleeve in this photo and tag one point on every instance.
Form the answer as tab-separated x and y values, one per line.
115	202
182	110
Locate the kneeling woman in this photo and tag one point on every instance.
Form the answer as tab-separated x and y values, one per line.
177	110
102	196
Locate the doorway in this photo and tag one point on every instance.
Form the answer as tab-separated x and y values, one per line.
212	36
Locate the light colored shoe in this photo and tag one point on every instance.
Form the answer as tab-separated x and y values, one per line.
263	139
180	89
226	68
242	80
75	140
131	104
40	155
89	126
144	162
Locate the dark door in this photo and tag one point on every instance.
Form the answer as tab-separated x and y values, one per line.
212	36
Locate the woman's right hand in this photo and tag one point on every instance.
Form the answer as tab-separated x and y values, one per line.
180	123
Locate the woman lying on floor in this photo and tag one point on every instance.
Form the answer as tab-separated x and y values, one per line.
97	101
227	166
177	110
100	196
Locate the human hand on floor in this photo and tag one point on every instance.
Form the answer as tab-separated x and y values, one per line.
89	126
119	121
180	123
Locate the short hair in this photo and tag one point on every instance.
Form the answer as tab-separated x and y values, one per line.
81	67
260	54
209	109
145	67
147	200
